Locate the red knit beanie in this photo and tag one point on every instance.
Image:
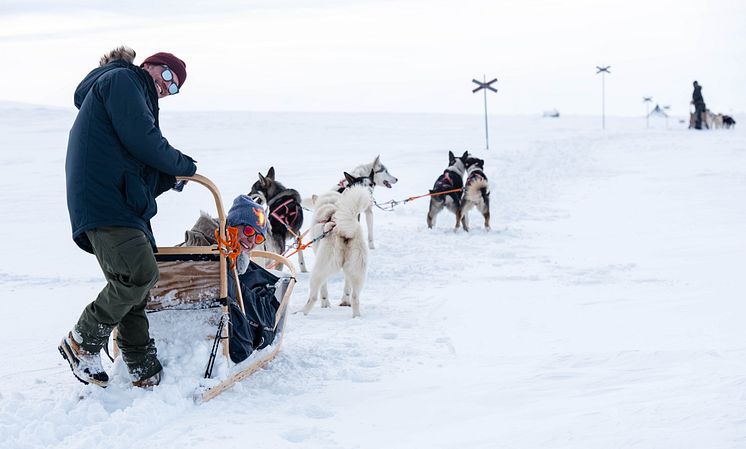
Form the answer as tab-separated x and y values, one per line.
173	63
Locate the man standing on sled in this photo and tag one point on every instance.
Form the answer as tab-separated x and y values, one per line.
117	163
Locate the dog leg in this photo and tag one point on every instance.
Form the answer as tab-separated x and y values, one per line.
486	214
458	220
357	286
433	212
354	273
315	284
369	222
467	206
324	296
345	302
465	217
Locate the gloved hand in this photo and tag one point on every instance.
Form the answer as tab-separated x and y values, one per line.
179	186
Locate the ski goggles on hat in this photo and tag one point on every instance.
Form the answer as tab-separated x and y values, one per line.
249	231
168	75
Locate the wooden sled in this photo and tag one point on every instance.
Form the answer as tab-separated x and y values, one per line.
194	280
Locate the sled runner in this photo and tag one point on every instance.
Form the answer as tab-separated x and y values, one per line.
238	318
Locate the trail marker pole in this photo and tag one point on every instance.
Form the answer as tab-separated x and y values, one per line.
603	71
665	109
647	101
484	85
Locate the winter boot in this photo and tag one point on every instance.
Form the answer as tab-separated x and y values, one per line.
142	363
148	383
86	366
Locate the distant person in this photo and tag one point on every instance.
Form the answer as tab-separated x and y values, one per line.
699	106
117	163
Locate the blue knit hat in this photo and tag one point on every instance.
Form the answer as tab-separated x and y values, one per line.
246	211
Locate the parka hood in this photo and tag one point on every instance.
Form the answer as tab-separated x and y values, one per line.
120	57
124	53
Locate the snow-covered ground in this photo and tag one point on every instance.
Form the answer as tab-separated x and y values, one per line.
602	310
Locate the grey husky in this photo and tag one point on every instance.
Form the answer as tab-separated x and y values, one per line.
285	213
381	177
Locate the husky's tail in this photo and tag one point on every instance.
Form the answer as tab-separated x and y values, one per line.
478	191
353	202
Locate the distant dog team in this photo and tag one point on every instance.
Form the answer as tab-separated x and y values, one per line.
449	191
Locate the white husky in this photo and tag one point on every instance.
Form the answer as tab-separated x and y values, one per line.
343	248
381	177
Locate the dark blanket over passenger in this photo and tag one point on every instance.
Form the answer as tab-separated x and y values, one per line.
255	330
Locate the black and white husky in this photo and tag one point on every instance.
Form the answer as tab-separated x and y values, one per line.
285	213
476	192
366	180
343	248
451	179
381	177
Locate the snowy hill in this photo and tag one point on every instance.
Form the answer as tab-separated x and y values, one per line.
603	310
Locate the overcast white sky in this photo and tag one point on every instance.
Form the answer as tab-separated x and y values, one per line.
391	56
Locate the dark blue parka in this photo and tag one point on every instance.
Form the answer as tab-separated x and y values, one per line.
117	160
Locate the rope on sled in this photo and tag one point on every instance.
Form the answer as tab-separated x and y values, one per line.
229	247
389	206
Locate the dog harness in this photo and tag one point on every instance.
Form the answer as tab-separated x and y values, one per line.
288	213
448	181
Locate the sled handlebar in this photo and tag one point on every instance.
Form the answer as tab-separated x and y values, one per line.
199	179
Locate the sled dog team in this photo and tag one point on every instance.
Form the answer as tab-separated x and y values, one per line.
341	244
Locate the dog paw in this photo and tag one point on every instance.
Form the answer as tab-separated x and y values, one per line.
345	304
371	245
325	303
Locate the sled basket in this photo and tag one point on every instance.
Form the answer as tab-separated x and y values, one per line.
192	296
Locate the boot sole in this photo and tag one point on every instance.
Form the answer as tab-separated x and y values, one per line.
67	354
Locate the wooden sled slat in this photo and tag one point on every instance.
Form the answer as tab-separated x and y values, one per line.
185	283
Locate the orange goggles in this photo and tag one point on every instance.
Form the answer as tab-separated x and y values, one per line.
249	231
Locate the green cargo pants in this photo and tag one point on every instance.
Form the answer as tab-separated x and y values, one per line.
127	260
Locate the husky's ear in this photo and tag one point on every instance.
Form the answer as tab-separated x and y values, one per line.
262	180
271	173
465	156
451	158
377	161
350	179
372	174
